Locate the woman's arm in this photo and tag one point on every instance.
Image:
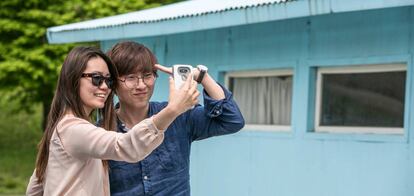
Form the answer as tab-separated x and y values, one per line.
34	188
83	140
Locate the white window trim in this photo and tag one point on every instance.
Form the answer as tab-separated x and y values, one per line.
353	69
259	127
261	73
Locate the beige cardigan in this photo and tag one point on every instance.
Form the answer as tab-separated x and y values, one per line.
77	149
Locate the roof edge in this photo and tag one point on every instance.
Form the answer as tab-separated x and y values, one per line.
222	19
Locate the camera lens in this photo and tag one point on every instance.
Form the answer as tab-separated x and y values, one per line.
183	70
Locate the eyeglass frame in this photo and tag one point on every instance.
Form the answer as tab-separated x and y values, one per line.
153	76
97	79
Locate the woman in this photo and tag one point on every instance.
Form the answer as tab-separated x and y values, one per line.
69	161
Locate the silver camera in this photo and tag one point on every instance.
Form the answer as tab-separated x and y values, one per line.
180	74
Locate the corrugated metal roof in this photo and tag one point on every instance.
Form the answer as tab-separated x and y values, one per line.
169	12
200	15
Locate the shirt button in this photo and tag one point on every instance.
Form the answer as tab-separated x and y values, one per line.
145	177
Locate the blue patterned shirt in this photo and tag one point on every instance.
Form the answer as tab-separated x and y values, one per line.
166	170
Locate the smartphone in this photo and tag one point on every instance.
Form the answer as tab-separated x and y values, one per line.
180	74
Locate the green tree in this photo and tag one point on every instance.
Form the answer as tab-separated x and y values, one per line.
29	66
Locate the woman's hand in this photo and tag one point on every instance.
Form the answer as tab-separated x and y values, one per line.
180	100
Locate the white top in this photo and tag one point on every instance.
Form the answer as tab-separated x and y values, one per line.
77	149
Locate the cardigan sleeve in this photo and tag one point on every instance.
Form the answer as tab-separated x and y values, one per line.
83	140
34	188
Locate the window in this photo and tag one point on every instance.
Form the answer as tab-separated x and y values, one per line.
264	98
363	99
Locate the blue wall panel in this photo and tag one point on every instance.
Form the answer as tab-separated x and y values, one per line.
299	162
373	33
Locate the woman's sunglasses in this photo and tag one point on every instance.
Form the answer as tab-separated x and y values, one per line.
98	79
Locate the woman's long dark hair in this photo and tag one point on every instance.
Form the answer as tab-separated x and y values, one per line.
67	98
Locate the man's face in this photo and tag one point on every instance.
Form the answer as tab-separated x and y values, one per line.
135	90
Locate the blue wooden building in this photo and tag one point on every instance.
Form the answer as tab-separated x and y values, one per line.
326	87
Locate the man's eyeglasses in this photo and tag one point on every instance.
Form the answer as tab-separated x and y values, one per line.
131	81
98	79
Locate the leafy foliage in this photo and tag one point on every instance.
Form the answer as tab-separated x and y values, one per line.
19	134
29	66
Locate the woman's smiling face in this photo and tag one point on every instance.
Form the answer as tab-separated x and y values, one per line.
92	96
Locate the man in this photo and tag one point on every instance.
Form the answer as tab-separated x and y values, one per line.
166	170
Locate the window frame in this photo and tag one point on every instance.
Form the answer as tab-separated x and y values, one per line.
263	73
365	68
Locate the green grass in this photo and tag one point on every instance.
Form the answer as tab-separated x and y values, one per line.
19	134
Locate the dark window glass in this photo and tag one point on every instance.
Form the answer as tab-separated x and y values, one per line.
363	99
